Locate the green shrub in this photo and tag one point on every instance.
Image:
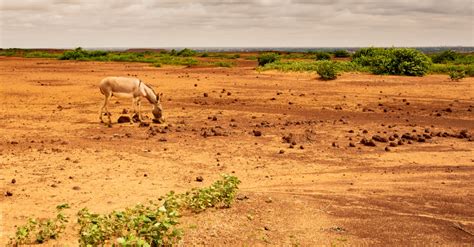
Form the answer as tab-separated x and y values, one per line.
186	53
457	75
341	53
322	55
394	61
445	57
267	58
327	70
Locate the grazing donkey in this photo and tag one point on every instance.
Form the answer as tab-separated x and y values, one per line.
125	87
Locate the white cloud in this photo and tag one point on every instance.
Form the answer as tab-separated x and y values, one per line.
151	23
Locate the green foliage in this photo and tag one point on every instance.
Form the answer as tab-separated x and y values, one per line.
267	58
341	53
457	75
81	54
251	58
444	57
152	224
37	231
394	61
320	55
311	66
448	68
220	193
186	53
41	54
223	64
327	70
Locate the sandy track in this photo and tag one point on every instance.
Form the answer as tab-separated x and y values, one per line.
322	190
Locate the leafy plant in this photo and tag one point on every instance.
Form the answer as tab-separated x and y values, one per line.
322	55
220	193
37	231
153	224
267	58
457	75
445	57
341	53
186	53
394	61
327	70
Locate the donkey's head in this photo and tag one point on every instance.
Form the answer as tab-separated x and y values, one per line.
157	108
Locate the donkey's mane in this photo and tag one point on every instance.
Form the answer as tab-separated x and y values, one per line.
150	87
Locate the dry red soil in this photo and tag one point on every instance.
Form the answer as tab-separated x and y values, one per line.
319	191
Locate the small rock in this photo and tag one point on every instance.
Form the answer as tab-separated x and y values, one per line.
242	197
351	144
76	188
266	228
387	149
257	133
199	179
282	151
123	119
8	193
206	95
13	181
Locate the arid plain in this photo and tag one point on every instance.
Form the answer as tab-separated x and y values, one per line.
306	180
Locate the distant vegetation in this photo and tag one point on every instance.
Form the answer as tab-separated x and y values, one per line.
386	61
393	61
266	58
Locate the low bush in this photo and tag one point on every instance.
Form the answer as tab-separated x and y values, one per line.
327	70
457	75
341	53
444	57
186	53
267	58
322	56
393	61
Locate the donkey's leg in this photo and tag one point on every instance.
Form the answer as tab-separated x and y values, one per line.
104	105
139	110
107	97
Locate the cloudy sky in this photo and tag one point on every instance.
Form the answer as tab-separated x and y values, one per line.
230	23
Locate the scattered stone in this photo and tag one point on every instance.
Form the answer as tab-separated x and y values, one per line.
393	144
257	133
162	139
282	151
242	197
379	138
369	143
123	119
351	144
199	179
143	124
8	193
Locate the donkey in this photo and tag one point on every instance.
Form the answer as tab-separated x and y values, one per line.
125	87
